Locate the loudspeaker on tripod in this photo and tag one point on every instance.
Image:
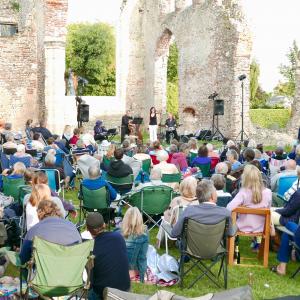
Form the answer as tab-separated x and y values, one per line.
219	107
83	113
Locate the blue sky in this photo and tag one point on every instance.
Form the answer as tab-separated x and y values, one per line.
274	25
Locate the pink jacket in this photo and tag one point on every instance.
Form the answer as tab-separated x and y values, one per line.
179	160
250	223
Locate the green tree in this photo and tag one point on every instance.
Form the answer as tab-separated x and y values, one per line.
288	72
254	75
172	77
90	53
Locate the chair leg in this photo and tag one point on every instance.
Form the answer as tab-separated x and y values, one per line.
166	242
225	270
230	250
295	273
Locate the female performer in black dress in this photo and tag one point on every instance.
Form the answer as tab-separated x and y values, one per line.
153	125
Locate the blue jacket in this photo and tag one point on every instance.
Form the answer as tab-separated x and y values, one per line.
291	210
95	184
137	247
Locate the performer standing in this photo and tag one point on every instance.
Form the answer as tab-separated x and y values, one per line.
171	128
153	125
124	126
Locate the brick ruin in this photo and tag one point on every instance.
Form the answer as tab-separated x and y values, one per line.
32	61
211	35
214	47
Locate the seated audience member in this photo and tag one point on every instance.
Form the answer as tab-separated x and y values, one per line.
36	143
76	135
28	176
10	142
117	167
100	132
7	130
40	192
206	212
179	159
137	241
172	149
111	266
221	168
88	140
156	148
211	152
297	155
264	155
192	143
141	153
127	148
248	155
266	179
60	143
289	170
232	157
277	160
252	194
85	161
24	157
67	135
187	190
95	182
28	128
164	166
52	227
251	144
227	144
219	183
294	187
42	130
202	157
50	163
285	249
16	172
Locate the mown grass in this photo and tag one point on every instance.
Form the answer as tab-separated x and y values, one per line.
270	118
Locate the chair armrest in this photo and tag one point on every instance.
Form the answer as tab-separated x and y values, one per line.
281	198
284	229
252	211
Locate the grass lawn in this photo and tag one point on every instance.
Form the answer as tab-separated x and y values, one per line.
266	285
270	118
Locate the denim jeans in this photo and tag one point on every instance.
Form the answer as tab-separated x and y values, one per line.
285	249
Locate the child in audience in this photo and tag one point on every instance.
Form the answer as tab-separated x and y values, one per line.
137	241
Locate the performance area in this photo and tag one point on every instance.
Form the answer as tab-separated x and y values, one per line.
126	197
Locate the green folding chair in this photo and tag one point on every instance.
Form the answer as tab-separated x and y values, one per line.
122	185
146	165
152	201
192	156
11	186
94	200
206	246
171	178
106	160
205	169
55	270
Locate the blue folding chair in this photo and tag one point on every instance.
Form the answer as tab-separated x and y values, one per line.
4	161
54	181
25	160
284	183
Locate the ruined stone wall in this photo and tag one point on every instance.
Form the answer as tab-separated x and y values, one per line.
18	66
214	49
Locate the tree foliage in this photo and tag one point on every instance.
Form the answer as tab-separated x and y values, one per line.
254	75
288	72
90	53
172	77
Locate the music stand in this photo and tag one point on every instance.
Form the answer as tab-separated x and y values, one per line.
137	120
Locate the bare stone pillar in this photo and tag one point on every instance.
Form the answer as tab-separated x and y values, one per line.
166	6
54	84
180	5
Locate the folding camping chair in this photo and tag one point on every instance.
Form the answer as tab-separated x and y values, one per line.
205	169
45	276
152	201
11	186
94	200
122	185
54	181
202	242
171	178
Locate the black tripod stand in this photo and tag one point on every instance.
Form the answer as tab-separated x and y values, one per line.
242	133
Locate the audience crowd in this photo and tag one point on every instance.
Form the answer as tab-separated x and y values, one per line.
214	182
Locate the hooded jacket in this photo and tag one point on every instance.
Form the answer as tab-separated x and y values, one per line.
118	169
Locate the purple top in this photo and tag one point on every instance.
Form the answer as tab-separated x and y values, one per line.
250	223
201	161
